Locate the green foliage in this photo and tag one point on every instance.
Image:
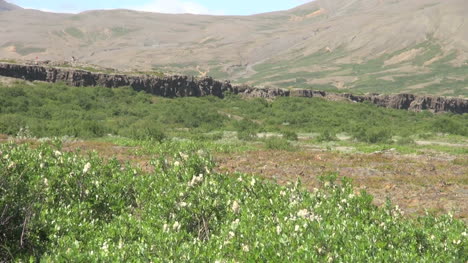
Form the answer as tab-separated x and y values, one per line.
144	130
75	32
446	124
405	140
372	134
89	112
11	123
277	143
289	135
58	206
327	136
247	130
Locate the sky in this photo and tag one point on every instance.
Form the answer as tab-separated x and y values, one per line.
214	7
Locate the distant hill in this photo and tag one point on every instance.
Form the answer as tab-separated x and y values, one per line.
415	46
5	6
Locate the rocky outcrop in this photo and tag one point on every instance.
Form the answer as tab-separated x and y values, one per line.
173	86
183	86
414	102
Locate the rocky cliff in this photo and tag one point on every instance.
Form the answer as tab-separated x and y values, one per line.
182	86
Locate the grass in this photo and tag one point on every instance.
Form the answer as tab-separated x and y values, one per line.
75	32
26	50
371	72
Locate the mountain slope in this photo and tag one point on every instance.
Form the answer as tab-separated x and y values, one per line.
5	6
417	46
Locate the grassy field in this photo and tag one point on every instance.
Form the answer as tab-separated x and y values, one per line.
99	174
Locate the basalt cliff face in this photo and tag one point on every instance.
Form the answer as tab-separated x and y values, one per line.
183	86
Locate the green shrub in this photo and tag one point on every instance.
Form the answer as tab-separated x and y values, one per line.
405	140
247	130
11	123
289	135
58	206
451	125
373	135
327	136
145	130
276	143
58	109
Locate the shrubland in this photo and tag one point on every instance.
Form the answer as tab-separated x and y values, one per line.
64	206
60	205
47	110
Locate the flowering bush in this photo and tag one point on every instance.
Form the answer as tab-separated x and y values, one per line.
59	206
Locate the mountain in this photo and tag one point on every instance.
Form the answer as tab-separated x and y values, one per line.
5	6
386	46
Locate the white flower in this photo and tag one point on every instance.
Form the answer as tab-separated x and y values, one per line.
165	227
182	204
176	163
432	237
278	229
11	165
252	183
86	168
235	207
245	248
196	180
105	247
57	153
303	213
176	226
296	228
42	165
235	224
240	179
46	182
183	155
231	234
351	196
282	193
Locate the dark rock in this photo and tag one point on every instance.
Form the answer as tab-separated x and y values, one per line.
183	86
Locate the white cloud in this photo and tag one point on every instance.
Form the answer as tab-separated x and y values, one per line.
176	7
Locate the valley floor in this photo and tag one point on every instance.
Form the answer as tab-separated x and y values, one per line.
427	181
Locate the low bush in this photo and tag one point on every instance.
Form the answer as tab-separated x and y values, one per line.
145	130
276	143
289	135
246	129
59	206
373	134
327	136
58	110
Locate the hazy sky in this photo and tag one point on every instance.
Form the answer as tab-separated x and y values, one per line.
222	7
